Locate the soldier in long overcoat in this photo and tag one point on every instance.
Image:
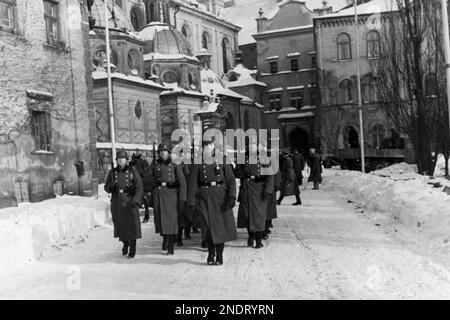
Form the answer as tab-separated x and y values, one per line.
289	183
125	185
169	195
255	191
142	166
299	165
212	191
315	165
272	205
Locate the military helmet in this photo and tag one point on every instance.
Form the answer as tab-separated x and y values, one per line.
164	147
121	154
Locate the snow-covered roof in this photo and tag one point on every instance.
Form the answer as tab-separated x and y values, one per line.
371	7
244	12
161	56
210	81
101	74
296	115
245	77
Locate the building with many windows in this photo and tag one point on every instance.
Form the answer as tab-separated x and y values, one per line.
338	117
47	130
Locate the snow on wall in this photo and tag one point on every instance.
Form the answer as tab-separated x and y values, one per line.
402	194
29	231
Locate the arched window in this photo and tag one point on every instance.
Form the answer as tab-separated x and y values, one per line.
230	121
430	85
135	17
346	91
378	134
226	55
373	44
350	136
151	11
344	47
205	40
134	62
99	58
369	89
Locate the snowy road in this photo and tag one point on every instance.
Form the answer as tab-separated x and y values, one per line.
323	250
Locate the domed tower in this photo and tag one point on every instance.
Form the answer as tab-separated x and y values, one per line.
168	55
126	48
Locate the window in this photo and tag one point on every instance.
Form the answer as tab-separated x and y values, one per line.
99	58
313	93
346	91
273	66
205	40
294	64
344	47
51	16
7	15
373	44
151	12
378	134
314	61
369	90
40	121
296	99
135	18
134	62
275	102
226	55
430	85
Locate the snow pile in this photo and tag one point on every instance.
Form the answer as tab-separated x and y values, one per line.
28	231
407	197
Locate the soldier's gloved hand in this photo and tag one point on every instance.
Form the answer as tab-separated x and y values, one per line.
231	202
135	203
114	189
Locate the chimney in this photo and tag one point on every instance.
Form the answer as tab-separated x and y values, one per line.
326	9
261	21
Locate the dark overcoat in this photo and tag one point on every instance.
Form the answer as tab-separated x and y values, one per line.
315	165
210	201
166	199
288	178
299	166
127	190
272	203
253	197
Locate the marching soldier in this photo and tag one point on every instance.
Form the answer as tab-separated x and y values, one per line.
169	195
142	166
289	184
299	165
124	183
255	191
212	190
272	205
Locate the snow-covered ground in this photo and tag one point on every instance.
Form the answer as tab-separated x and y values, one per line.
31	231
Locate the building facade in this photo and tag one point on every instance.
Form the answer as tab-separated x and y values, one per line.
47	130
338	117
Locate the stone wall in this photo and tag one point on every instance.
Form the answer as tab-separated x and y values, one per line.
59	76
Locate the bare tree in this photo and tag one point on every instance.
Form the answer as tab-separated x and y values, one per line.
411	81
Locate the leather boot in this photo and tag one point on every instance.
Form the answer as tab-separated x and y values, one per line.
180	237
316	186
170	244
132	253
211	255
299	201
259	240
126	246
219	254
280	200
187	233
251	239
164	244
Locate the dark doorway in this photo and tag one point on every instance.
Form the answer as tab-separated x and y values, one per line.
351	138
299	139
